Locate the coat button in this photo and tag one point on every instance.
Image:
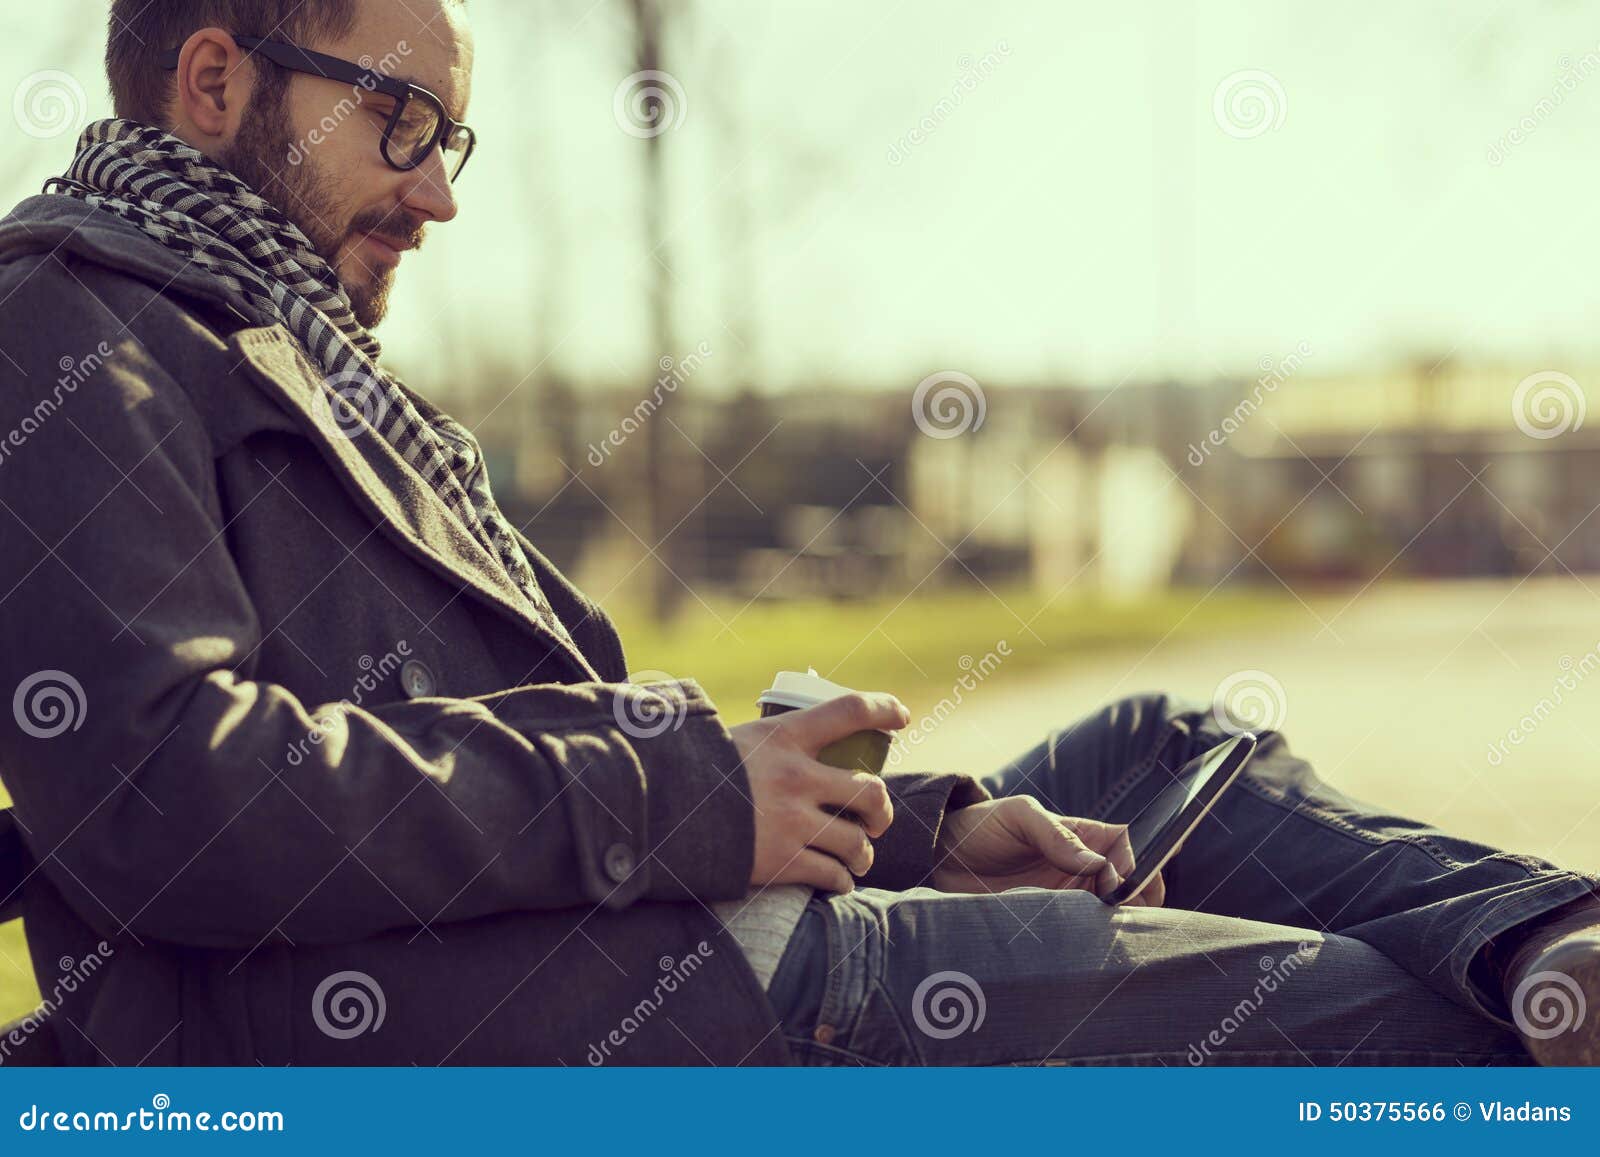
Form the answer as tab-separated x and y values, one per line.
619	862
824	1034
416	680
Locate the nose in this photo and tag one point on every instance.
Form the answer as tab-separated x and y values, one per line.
429	193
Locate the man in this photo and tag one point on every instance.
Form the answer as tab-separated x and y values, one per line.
323	763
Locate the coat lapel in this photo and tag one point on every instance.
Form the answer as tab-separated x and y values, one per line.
404	506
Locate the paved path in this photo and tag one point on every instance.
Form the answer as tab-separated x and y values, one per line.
1400	697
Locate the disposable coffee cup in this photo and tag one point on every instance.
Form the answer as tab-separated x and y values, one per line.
793	691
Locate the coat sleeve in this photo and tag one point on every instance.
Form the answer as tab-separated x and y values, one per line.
166	790
905	855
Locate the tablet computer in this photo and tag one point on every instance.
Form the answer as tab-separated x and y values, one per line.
1157	832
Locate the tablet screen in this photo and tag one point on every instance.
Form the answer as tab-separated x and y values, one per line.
1169	805
1187	786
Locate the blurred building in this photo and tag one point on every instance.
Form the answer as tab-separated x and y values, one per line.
1421	471
1435	470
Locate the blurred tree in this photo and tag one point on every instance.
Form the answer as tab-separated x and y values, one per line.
666	468
543	411
729	112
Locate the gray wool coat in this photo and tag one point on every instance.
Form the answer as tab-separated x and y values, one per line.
282	730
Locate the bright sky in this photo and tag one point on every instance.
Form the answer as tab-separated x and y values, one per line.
1081	215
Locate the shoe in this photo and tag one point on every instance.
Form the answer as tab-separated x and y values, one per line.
1552	986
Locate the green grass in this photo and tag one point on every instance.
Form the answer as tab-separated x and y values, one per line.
18	993
913	648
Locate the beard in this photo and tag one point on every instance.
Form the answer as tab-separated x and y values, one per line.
259	156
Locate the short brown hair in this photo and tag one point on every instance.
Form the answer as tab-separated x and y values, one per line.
141	30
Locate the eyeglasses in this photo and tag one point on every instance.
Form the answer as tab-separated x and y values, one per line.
417	126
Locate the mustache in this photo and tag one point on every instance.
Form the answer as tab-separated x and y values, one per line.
396	227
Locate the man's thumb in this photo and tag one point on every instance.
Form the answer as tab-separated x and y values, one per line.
818	726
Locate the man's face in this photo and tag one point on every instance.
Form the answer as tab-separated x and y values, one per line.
316	153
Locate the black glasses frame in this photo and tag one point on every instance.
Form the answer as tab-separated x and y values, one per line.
303	60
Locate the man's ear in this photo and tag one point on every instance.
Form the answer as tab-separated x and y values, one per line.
214	82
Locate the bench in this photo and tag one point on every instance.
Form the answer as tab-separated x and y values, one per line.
40	1047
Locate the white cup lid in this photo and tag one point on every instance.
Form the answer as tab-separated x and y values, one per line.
801	689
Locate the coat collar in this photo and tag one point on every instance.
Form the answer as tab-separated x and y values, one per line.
397	498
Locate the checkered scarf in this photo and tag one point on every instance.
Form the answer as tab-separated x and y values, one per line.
266	266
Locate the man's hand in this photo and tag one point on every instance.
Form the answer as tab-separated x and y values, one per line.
799	839
1018	843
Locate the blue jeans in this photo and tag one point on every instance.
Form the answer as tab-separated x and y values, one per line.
1301	927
